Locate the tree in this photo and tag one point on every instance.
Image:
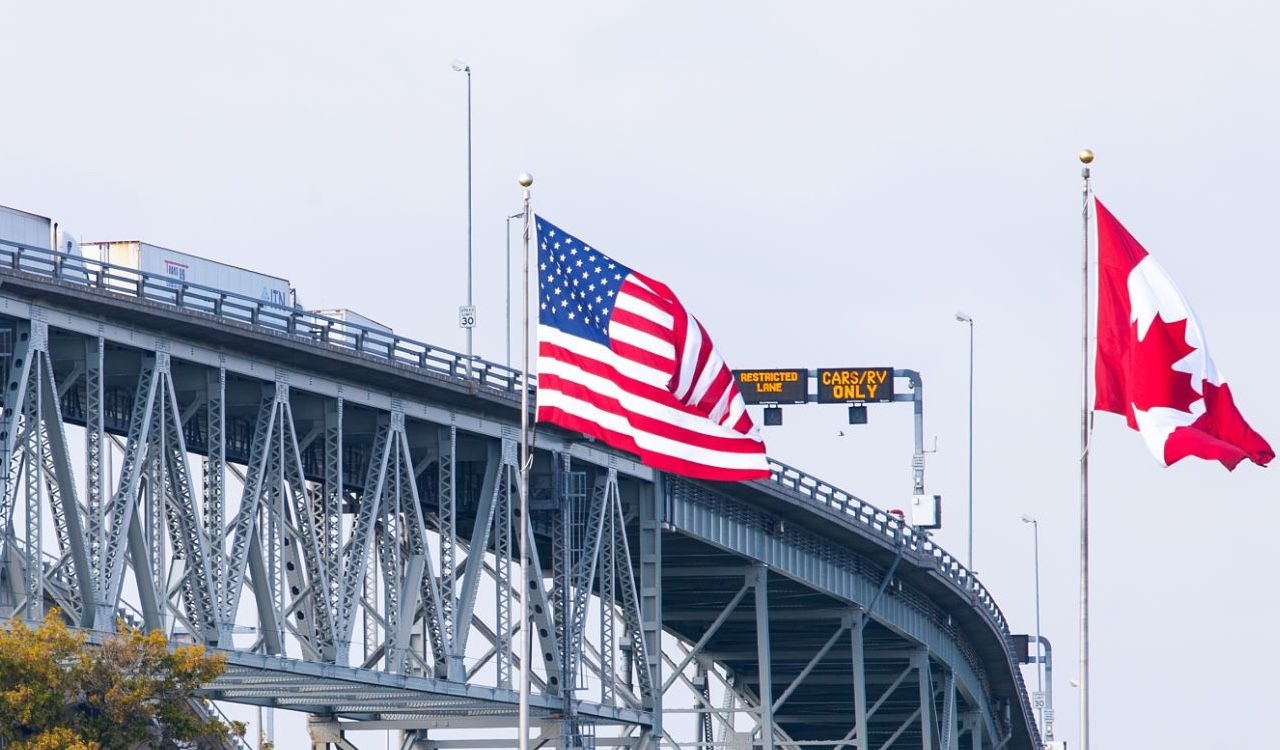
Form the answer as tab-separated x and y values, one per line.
57	691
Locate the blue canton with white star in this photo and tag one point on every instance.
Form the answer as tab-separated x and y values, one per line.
577	284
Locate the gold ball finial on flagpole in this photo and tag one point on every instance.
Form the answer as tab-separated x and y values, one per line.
525	179
1086	156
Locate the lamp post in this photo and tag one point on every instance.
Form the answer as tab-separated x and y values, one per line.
518	215
1035	526
965	318
470	323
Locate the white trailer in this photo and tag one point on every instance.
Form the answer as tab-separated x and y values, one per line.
191	269
33	230
352	317
346	331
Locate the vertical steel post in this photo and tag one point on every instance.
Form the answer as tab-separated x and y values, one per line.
509	218
502	563
947	725
33	579
608	642
447	498
332	502
859	681
969	564
508	338
764	655
214	475
470	329
95	476
1046	650
927	721
1039	643
652	509
12	449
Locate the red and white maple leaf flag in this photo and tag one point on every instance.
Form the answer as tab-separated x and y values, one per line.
1153	365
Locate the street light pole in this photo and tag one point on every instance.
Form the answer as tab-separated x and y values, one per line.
964	318
509	218
1035	527
462	67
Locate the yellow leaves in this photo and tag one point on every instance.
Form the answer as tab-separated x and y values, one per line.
57	691
60	738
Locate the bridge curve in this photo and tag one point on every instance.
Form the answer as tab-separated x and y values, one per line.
791	603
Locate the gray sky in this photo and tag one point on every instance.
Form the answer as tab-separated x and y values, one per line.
824	184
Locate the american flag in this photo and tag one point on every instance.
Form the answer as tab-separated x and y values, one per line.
620	359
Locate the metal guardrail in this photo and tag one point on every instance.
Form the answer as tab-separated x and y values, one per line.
300	324
230	306
894	530
919	546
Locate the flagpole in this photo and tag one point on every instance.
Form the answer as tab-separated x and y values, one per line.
1086	158
526	460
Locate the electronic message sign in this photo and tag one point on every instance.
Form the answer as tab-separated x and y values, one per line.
838	385
773	386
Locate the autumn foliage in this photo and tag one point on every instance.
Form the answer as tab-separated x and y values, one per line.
57	691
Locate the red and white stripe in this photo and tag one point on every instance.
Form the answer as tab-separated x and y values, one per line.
660	390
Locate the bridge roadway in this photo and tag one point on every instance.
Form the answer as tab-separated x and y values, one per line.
369	467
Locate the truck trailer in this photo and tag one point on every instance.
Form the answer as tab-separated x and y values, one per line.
191	269
31	230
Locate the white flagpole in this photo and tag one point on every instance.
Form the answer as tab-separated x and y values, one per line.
1086	158
526	460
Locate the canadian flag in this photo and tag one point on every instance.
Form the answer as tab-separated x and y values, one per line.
1153	365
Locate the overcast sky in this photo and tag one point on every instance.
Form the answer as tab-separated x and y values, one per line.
824	184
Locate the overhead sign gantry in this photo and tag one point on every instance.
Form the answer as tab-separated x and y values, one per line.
857	387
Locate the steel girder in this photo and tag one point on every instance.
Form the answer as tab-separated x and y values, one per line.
297	555
804	563
35	452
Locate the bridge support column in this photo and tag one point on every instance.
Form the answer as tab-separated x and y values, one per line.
764	655
927	721
950	730
859	682
652	508
326	731
972	721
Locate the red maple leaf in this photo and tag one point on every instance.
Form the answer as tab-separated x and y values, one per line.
1152	379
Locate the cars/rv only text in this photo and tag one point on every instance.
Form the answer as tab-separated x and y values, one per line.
841	384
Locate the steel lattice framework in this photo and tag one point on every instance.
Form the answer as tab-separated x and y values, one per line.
362	493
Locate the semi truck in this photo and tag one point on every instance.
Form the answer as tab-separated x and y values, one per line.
32	230
191	269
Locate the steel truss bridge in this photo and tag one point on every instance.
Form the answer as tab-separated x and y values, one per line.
334	508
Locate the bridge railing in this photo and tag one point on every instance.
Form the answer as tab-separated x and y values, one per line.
918	543
893	529
262	314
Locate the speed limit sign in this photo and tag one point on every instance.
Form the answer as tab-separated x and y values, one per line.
466	316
